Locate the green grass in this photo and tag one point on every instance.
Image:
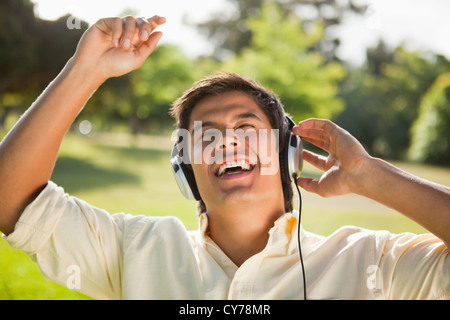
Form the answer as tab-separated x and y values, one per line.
123	174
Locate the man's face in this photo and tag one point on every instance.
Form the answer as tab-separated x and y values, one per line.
238	150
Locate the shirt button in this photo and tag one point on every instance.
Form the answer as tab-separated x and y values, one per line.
239	286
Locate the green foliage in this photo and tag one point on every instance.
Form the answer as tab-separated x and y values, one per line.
230	32
278	57
32	52
17	43
382	97
282	44
142	98
431	130
162	78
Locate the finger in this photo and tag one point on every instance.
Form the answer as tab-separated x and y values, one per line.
117	29
318	137
321	124
145	28
309	184
149	46
129	28
325	146
318	161
156	21
317	134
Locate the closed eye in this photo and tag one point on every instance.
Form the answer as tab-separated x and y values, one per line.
246	126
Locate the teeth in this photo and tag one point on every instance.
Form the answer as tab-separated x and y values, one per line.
234	164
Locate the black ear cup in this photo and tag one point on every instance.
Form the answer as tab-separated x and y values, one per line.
290	157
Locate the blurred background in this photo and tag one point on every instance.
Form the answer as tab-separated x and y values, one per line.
380	69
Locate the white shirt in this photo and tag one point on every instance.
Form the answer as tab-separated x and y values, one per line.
122	256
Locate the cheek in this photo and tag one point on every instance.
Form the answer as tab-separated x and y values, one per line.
203	152
268	153
201	177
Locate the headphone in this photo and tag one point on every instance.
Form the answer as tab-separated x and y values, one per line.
290	156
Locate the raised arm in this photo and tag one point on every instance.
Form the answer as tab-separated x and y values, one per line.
350	169
109	48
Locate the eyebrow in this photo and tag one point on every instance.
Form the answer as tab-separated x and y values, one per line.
204	124
247	115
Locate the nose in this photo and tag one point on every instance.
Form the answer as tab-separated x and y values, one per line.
229	141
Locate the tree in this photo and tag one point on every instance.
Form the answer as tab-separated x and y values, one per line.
32	52
162	79
279	58
17	42
431	130
17	52
382	97
231	33
143	97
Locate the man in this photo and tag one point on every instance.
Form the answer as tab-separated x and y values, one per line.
246	245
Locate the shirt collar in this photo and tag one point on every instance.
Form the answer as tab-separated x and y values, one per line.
282	240
286	225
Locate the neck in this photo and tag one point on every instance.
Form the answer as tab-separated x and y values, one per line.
242	231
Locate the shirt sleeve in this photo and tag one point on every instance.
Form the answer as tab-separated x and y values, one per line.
415	267
74	243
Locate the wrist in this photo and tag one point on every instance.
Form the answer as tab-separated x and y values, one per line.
379	180
84	73
366	178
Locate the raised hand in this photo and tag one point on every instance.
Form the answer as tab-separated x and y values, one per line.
345	161
115	46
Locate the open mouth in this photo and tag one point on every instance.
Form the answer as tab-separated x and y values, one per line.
234	168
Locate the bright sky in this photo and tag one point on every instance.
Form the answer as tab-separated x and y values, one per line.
422	24
175	30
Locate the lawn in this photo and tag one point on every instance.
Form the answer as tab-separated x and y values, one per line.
123	174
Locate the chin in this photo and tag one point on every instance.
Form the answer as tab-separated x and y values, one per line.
240	196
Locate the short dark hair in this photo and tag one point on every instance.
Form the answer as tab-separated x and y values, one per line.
225	82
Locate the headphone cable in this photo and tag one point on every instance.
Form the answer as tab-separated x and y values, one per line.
298	239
